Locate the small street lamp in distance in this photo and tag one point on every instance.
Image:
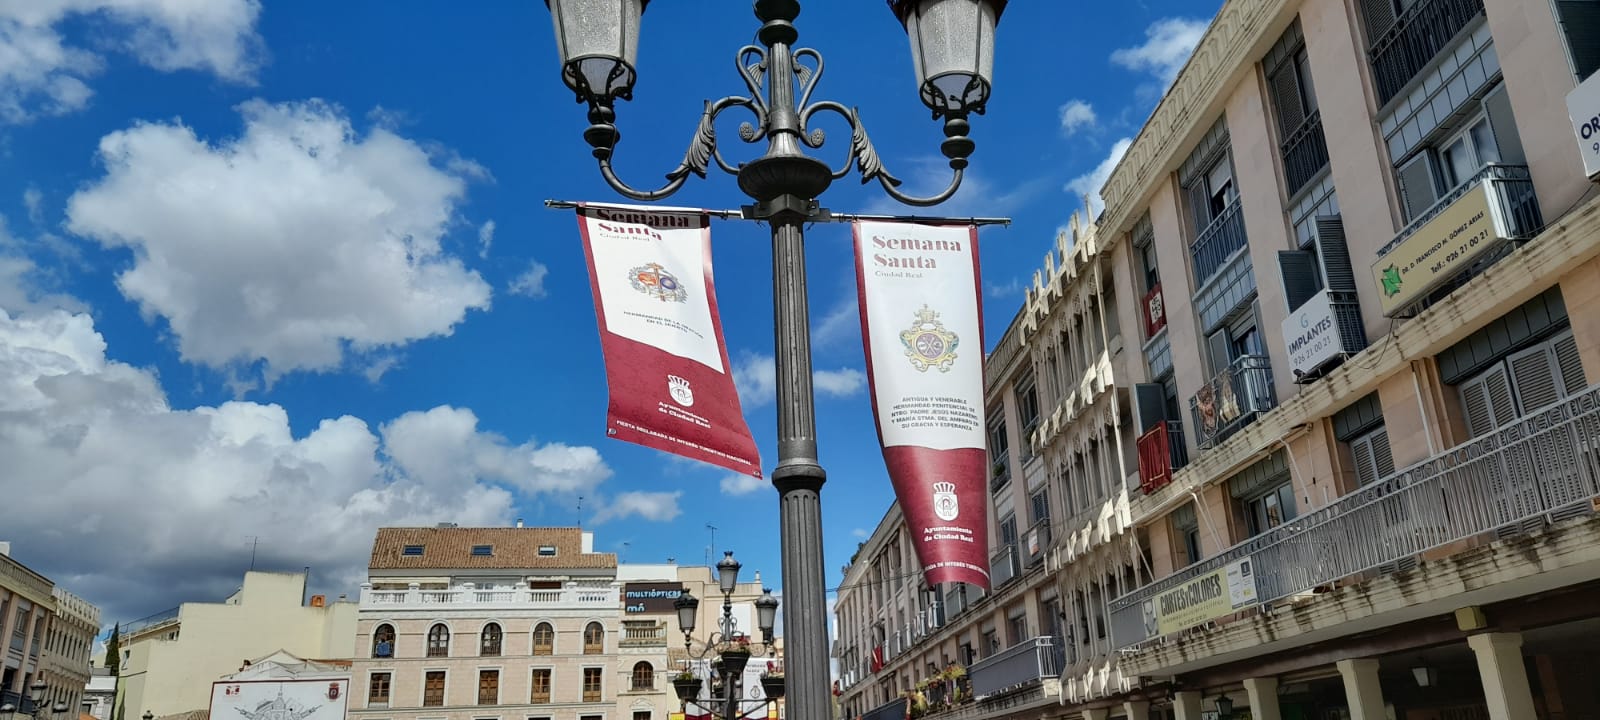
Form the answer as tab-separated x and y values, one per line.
952	46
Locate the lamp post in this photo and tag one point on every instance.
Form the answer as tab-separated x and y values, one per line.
952	45
732	648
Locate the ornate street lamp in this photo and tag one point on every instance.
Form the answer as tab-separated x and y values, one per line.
731	648
952	43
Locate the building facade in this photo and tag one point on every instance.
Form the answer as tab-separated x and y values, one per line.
170	659
68	645
1347	258
523	623
27	602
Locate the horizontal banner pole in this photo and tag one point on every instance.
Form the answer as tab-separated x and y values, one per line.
821	216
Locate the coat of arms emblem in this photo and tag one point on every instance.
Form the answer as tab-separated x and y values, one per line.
945	505
333	691
679	388
928	343
655	281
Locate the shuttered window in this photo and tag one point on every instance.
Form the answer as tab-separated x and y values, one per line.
1374	460
1379	16
1487	401
1527	381
1573	379
1301	281
1417	186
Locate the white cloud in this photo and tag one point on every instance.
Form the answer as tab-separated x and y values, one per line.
379	367
1092	182
163	494
1008	291
1168	44
1077	115
289	244
531	282
839	383
33	200
42	74
756	377
652	506
737	484
861	533
840	326
485	238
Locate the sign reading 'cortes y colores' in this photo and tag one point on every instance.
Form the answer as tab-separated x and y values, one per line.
1201	599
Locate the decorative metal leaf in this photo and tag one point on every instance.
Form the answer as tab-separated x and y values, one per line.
867	156
698	157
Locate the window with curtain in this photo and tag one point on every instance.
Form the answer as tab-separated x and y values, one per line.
439	641
489	643
383	641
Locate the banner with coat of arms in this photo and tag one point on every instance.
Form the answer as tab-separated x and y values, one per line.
921	320
666	363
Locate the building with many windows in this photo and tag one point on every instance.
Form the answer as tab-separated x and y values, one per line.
523	624
1347	258
68	643
27	602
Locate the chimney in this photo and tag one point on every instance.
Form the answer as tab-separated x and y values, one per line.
519	522
319	601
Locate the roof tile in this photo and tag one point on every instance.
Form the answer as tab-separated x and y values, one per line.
514	549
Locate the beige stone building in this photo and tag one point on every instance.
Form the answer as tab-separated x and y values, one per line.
522	623
171	659
1345	267
68	645
27	602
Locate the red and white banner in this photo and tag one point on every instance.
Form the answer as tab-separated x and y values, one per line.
666	363
921	317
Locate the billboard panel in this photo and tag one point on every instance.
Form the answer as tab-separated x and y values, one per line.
319	699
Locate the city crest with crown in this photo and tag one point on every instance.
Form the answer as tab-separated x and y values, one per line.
928	344
945	504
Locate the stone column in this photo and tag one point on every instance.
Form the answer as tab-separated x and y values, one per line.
1137	709
1263	698
1362	691
1187	705
1505	678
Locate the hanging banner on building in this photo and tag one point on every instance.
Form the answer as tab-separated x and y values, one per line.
921	318
667	366
1210	596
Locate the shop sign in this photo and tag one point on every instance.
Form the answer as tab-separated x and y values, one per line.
1311	335
1583	107
650	598
1216	594
1439	250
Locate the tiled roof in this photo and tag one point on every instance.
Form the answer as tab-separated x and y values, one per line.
513	549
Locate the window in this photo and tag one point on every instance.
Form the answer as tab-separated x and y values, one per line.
489	643
591	684
991	643
1490	136
412	550
644	677
1218	188
1147	263
378	690
1270	509
383	641
1041	506
540	687
483	550
1028	404
1580	22
1017	627
1524	382
433	688
439	641
547	551
1468	151
544	639
1372	456
999	444
641	715
594	639
488	687
1186	529
1008	531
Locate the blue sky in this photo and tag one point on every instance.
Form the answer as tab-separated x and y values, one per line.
280	274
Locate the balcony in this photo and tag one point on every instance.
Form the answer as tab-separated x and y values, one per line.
1543	466
150	622
1161	453
1432	254
1232	400
1305	153
1217	243
1019	666
1038	538
893	710
1409	46
644	635
1003	566
1155	312
572	596
999	470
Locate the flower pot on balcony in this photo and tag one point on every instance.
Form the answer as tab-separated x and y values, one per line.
733	662
773	686
687	689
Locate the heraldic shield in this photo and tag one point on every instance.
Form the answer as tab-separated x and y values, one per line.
928	344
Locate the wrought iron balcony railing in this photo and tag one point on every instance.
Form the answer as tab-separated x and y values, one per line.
1161	453
1510	187
1533	468
1305	153
1020	665
1232	400
1416	37
1218	242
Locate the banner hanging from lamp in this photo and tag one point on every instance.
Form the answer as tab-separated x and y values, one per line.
667	366
921	319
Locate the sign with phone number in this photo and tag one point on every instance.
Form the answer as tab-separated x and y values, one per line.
1439	250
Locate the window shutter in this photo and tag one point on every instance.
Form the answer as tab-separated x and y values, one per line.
1580	19
1382	456
1366	467
1573	380
1416	186
1504	126
1217	344
1533	376
1486	400
1299	270
1379	17
1200	203
1286	96
1151	399
1335	254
